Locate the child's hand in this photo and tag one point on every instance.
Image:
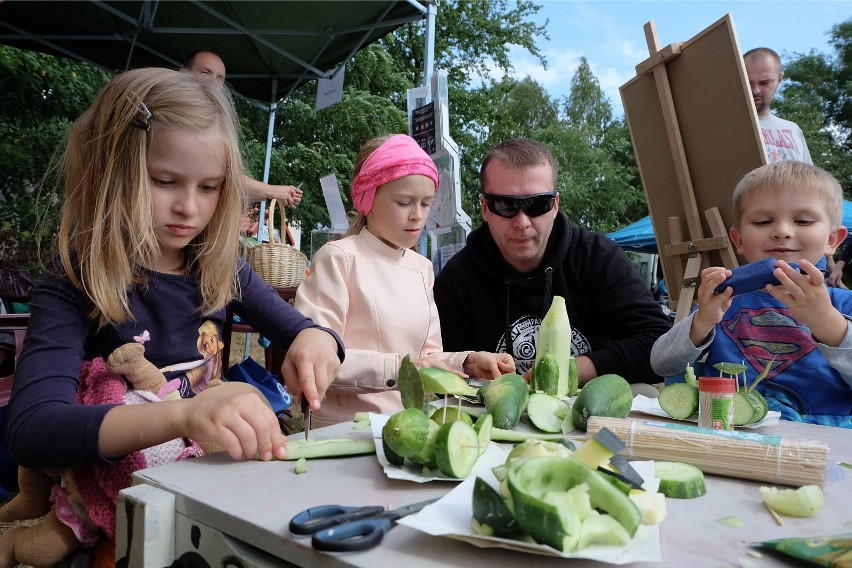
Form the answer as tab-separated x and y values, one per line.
242	424
807	298
711	306
486	365
310	365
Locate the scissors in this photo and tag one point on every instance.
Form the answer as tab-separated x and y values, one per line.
336	528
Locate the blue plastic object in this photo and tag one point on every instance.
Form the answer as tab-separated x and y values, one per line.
752	276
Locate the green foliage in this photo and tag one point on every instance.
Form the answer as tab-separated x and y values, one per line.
819	99
598	181
42	95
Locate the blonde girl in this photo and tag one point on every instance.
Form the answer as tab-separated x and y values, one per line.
148	253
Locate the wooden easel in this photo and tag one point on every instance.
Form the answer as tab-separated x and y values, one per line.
680	178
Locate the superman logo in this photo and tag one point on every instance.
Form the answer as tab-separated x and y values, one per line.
765	334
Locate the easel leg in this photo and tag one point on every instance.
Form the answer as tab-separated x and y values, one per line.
691	279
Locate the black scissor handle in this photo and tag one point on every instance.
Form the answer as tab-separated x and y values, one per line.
316	519
362	534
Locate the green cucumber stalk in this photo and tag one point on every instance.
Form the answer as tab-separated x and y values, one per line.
554	338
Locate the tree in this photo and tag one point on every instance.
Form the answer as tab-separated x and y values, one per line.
587	109
819	100
42	95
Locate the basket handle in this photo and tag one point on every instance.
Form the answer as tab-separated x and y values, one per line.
270	225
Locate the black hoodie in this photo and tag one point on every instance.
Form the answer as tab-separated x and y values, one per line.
614	318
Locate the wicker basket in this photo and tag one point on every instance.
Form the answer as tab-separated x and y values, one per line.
281	265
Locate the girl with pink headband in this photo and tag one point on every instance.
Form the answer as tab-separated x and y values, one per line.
376	291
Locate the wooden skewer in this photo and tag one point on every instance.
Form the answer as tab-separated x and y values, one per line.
778	520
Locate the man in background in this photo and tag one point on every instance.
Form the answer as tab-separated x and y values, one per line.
782	139
493	294
206	65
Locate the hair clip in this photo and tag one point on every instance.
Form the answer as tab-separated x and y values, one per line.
143	124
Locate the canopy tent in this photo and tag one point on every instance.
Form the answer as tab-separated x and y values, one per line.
269	48
639	236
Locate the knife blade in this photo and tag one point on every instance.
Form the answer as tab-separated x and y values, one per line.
306	413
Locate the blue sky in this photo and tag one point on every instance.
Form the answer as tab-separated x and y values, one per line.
610	34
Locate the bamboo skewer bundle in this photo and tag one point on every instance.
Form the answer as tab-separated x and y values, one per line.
756	457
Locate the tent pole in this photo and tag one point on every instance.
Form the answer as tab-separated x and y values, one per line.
429	56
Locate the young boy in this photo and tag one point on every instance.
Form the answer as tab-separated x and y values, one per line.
790	211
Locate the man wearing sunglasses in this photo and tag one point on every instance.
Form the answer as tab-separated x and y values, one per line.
493	294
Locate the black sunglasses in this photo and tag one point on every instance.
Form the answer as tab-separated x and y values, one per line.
509	205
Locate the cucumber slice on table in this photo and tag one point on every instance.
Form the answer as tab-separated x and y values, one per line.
456	449
547	412
679	480
679	400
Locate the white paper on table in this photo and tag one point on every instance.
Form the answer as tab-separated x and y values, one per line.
451	517
645	405
494	455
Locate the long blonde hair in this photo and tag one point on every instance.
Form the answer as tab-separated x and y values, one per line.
106	234
370	146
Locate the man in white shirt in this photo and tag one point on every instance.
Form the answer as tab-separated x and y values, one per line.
782	139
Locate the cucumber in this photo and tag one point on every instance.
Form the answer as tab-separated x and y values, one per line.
554	338
502	435
335	448
805	501
755	400
679	480
483	427
442	381
679	400
456	449
744	408
530	479
426	456
492	511
410	385
392	457
505	400
406	431
545	375
547	412
447	413
301	466
606	395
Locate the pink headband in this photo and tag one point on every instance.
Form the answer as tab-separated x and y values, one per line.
397	157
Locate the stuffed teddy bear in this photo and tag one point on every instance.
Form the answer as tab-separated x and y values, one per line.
79	504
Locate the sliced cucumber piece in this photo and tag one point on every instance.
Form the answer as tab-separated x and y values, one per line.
441	381
483	427
802	502
502	435
745	408
449	413
456	449
679	400
410	385
679	480
334	448
491	510
301	465
546	412
426	455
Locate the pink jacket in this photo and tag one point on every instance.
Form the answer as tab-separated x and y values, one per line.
379	300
